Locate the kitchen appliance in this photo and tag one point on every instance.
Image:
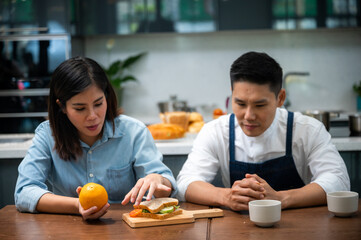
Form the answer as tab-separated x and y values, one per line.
26	65
339	125
173	105
355	124
322	116
345	124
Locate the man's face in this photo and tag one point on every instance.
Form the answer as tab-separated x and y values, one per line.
255	106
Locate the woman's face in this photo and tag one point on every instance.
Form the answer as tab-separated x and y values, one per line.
86	111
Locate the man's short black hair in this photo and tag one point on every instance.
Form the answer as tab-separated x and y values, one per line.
259	68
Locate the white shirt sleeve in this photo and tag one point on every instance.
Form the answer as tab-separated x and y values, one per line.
325	164
34	170
202	163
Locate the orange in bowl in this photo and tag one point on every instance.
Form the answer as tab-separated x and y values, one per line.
93	194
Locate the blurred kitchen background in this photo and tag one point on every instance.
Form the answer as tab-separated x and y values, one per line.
189	45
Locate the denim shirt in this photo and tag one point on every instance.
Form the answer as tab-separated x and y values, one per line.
116	161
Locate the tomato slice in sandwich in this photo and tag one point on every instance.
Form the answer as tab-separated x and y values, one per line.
135	212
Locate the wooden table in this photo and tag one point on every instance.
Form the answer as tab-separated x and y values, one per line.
306	223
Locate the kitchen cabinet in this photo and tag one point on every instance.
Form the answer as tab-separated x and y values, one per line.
35	16
122	17
353	163
8	177
235	15
188	16
175	163
143	16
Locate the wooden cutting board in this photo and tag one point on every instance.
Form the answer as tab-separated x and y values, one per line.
185	217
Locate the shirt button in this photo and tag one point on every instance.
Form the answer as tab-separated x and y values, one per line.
91	175
90	152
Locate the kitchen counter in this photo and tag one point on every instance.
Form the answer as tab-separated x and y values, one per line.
16	145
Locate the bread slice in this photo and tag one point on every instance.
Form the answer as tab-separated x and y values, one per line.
195	127
157	204
161	215
179	118
195	117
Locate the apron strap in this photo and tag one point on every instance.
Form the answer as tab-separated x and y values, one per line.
231	139
289	134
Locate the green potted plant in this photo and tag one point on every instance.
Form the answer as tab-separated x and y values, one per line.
118	74
357	89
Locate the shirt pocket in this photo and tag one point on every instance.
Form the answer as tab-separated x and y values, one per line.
121	181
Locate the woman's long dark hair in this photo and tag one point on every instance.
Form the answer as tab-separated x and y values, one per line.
70	78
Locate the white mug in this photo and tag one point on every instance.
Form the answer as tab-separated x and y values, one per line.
265	213
343	203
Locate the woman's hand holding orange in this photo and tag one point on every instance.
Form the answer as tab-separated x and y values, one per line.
93	212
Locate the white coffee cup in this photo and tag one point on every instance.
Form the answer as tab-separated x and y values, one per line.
343	203
265	213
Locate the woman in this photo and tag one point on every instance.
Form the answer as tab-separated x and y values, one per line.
85	140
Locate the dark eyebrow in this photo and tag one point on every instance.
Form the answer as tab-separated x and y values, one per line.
256	102
81	104
261	101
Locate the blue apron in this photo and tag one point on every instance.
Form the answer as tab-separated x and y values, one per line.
280	173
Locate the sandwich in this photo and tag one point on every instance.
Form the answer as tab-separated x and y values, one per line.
158	208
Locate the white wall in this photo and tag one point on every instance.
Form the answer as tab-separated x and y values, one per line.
195	67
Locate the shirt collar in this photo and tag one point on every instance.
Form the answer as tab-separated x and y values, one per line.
108	130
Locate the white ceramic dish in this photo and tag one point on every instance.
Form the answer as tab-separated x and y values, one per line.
265	213
343	203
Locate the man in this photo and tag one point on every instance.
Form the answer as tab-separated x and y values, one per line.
262	150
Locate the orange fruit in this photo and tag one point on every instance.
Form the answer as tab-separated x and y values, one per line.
93	194
218	111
